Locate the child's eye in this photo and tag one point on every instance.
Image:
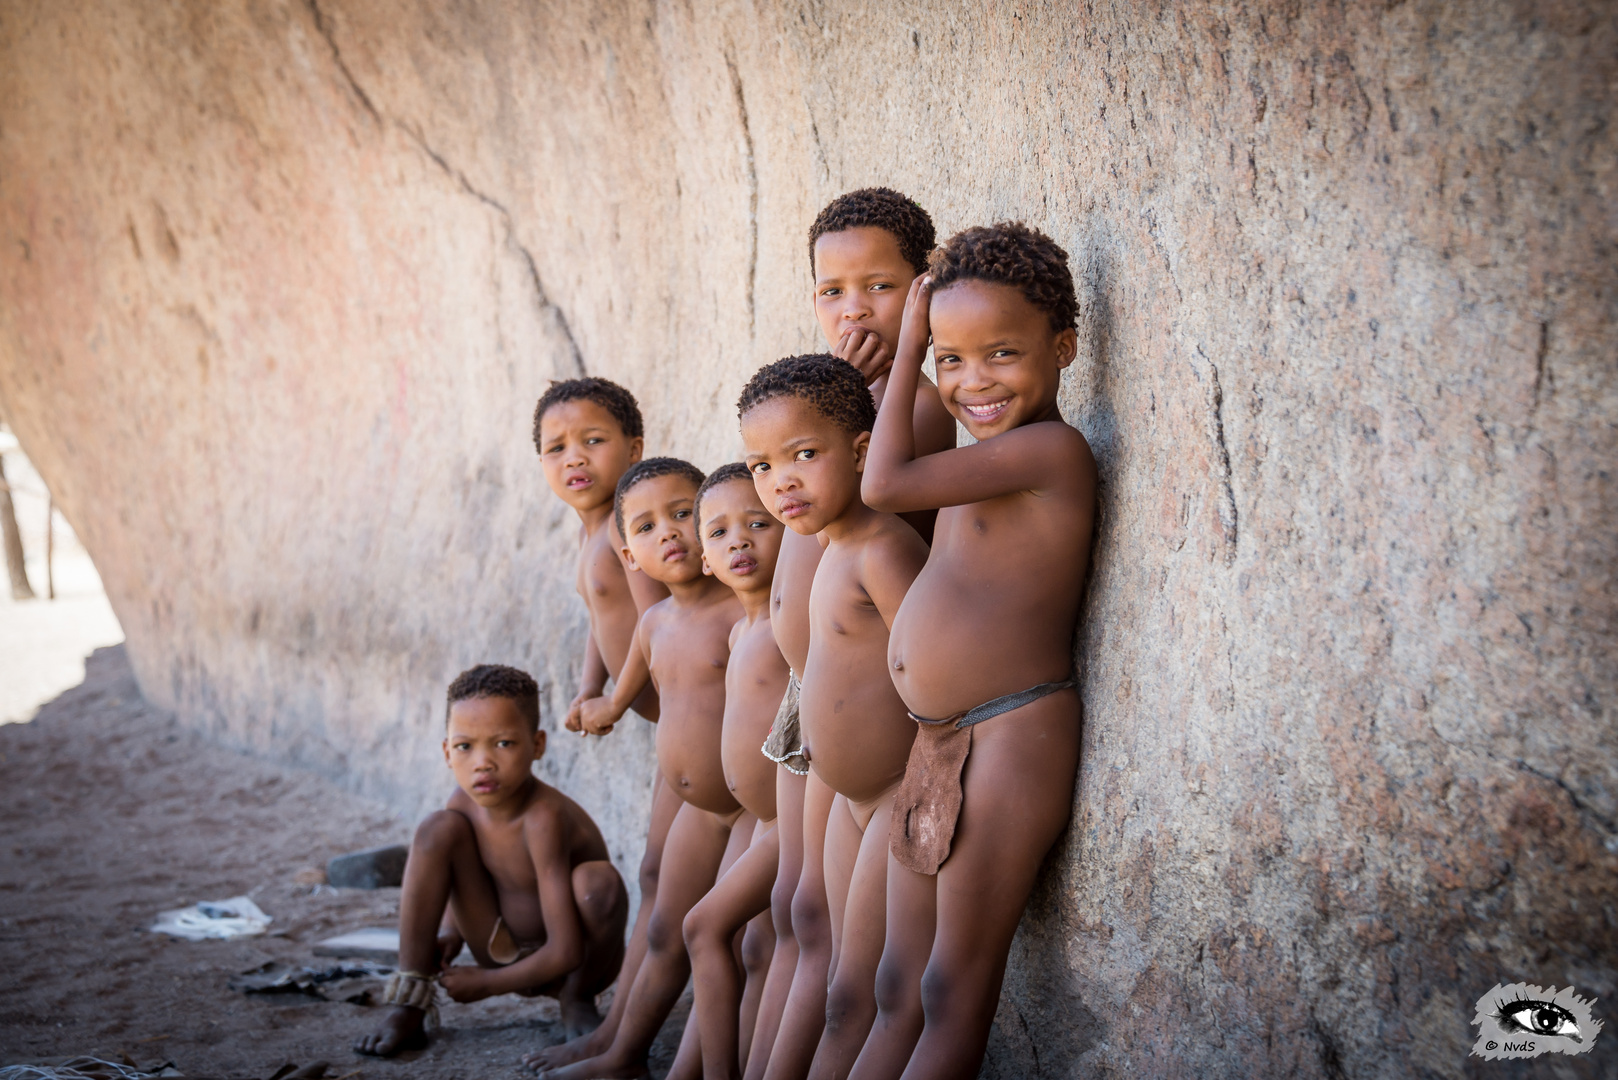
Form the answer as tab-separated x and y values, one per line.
716	534
881	286
553	449
1002	352
681	515
461	746
831	290
592	440
644	528
805	455
947	358
761	467
506	742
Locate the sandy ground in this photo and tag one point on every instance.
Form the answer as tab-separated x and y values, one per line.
110	813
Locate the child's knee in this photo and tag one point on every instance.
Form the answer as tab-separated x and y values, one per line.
701	931
846	1001
811	922
665	933
758	949
946	995
599	893
440	831
897	987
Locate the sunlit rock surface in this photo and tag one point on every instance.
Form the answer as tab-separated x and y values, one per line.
281	282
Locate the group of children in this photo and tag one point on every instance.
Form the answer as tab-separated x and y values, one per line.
888	617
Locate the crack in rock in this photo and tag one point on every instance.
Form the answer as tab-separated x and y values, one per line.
752	191
547	306
1228	519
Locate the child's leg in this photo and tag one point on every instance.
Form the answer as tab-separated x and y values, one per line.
687	1064
443	867
691	858
851	998
758	949
912	919
805	1014
710	930
1018	797
784	962
665	803
603	905
842	851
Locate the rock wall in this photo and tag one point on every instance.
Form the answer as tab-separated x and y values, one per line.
282	280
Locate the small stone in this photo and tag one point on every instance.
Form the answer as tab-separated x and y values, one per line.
374	868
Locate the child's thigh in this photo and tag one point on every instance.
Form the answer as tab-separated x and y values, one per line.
691	858
865	916
1018	797
842	853
742	891
908	937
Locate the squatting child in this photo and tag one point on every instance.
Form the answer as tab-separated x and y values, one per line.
865	248
511	867
587	432
806	423
981	649
684	643
740	541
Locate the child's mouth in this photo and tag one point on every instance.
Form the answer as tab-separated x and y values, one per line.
791	508
484	787
743	564
578	482
986	411
673	553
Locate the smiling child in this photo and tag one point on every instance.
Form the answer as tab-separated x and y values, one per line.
982	647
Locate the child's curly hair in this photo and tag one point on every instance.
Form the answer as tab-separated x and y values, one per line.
831	385
882	208
619	403
730	470
497	680
650	469
1011	253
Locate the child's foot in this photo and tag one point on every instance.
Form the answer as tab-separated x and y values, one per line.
402	1029
579	1016
599	1068
577	1048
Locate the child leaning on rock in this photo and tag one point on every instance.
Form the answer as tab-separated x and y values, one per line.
981	650
511	867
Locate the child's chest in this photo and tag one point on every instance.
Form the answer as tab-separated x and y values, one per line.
503	850
688	653
601	574
840	610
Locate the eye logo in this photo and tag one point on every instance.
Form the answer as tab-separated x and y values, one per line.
1523	1021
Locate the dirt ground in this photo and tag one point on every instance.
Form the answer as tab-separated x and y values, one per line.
110	813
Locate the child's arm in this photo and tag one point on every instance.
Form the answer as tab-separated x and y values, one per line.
563	950
591	684
887	570
897	481
599	715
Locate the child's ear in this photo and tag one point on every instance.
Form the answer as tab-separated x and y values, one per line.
707	571
447	765
539	743
637	446
1067	347
629	558
862	444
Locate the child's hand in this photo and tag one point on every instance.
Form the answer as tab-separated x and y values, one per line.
596	716
917	330
466	983
870	355
449	947
571	723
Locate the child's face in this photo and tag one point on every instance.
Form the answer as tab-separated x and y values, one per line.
660	532
490	748
861	280
740	539
806	468
999	362
584	451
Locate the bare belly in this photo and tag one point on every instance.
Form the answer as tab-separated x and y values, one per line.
959	641
855	728
688	755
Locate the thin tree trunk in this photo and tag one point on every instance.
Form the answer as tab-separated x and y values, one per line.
20	589
50	545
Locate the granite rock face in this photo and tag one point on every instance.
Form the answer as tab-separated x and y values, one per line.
281	282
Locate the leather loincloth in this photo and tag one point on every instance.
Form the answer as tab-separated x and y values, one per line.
928	803
784	744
